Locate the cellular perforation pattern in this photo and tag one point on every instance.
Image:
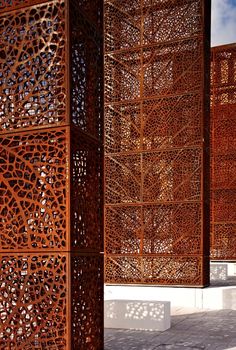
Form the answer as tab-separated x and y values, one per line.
154	270
182	20
172	68
155	71
161	128
86	175
153	124
92	11
162	21
87	302
123	230
223	152
123	179
156	141
172	229
33	190
87	73
51	175
32	67
86	196
164	229
172	175
122	25
223	240
123	128
9	5
33	305
122	76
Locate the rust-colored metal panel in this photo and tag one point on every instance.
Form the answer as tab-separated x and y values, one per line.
7	5
86	194
155	269
51	175
34	301
33	67
87	66
87	301
223	152
152	230
157	57
34	181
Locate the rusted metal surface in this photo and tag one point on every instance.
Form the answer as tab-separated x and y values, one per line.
87	301
156	161
51	175
223	153
34	177
32	50
34	301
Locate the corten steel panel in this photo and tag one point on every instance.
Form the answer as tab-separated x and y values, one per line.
87	68
151	229
51	175
34	190
223	152
87	301
7	5
153	269
34	301
86	194
156	95
33	67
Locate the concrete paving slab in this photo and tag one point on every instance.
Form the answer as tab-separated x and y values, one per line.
180	346
190	330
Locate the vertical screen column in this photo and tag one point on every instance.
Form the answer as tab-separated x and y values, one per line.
86	211
156	142
34	202
223	153
51	184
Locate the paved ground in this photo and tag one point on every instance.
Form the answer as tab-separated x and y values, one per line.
191	329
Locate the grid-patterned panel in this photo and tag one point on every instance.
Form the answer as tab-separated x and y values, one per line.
51	193
223	152
156	117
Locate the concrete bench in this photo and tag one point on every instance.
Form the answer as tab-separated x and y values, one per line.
220	270
137	314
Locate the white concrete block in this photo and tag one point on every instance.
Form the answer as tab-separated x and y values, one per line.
218	271
216	298
137	314
231	269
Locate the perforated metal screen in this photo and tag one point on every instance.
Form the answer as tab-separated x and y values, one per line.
156	141
223	152
51	181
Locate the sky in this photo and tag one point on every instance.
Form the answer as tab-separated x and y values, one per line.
223	22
